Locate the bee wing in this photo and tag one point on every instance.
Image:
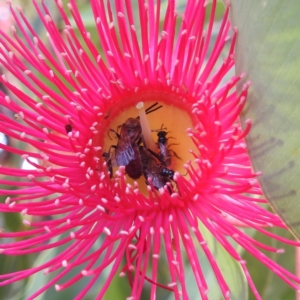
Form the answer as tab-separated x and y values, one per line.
125	155
158	180
151	169
113	160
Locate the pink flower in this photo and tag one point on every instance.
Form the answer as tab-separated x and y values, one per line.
68	122
6	19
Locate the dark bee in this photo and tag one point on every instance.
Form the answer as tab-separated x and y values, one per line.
127	149
151	169
129	137
165	154
134	167
158	175
68	128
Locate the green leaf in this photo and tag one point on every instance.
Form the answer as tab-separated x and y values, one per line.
269	285
118	289
268	51
231	271
39	280
10	264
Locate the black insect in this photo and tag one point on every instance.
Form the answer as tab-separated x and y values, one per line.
166	153
68	128
107	114
167	173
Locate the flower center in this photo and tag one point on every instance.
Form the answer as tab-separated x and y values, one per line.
148	137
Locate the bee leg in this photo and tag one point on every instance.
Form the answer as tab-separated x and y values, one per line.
175	154
115	132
